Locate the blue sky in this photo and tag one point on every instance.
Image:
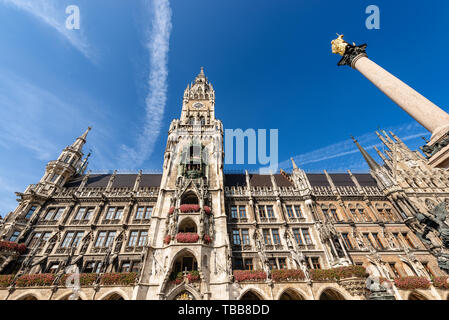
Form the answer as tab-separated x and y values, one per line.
125	70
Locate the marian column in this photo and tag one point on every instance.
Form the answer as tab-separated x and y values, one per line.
429	115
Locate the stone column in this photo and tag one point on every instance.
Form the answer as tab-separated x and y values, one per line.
418	107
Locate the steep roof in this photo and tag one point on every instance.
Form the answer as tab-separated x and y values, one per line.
120	181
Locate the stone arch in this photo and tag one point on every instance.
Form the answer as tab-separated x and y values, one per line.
181	289
190	197
65	296
187	225
186	252
28	296
414	295
252	294
116	294
291	294
331	294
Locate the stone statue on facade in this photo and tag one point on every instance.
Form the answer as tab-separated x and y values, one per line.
437	222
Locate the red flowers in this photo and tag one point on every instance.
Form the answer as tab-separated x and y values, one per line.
288	274
5	280
441	282
193	276
172	209
410	283
207	210
35	280
207	239
187	237
125	278
12	246
338	273
249	275
167	239
185	208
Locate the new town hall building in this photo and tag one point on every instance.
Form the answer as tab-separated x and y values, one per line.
194	232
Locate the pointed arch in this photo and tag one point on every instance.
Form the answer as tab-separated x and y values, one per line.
116	294
28	296
291	294
331	294
187	225
414	295
183	288
252	294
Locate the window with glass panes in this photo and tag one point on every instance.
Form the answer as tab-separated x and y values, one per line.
34	239
248	263
234	212
14	236
315	261
276	238
334	214
126	266
30	212
262	212
236	237
297	236
298	211
245	237
114	213
142	238
138	238
110	239
133	238
346	240
80	214
306	235
100	238
77	239
378	242
270	212
266	236
406	236
242	212
290	213
282	263
144	213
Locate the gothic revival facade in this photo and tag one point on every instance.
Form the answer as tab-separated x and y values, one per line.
194	232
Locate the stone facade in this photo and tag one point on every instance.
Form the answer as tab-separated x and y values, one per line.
194	232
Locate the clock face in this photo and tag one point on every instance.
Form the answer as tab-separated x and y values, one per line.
198	105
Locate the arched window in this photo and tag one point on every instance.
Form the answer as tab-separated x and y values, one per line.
331	294
187	226
250	295
189	198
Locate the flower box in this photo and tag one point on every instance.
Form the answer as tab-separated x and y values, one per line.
193	276
410	283
336	274
288	275
207	239
441	282
207	209
249	275
167	239
5	280
187	237
36	280
172	209
186	208
125	279
12	246
86	279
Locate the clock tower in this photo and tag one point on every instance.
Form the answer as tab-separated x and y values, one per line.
189	255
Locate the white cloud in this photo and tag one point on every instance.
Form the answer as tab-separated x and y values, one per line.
158	47
55	17
340	153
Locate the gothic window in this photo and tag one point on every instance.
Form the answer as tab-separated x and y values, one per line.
126	267
14	236
282	263
233	212
100	239
45	237
242	212
114	213
267	237
393	269
54	177
80	213
407	239
363	214
30	212
378	242
236	237
110	239
315	263
347	241
306	235
143	213
133	238
49	214
270	212
276	238
298	211
67	240
142	238
77	239
245	237
88	214
333	214
248	264
262	213
54	214
290	213
34	240
58	214
297	236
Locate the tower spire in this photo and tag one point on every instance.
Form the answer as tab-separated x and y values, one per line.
81	140
371	162
294	164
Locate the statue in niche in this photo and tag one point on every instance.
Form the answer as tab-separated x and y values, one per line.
436	221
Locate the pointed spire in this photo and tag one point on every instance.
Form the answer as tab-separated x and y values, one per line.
294	164
80	141
371	162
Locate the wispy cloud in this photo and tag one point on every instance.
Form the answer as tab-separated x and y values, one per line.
342	153
54	16
158	47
